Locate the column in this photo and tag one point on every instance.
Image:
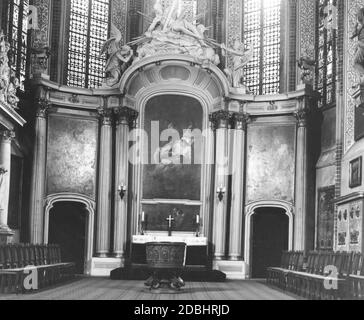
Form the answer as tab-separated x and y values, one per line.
37	186
5	166
221	120
125	118
301	182
238	182
104	182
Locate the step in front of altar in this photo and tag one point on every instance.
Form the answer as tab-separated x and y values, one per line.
190	274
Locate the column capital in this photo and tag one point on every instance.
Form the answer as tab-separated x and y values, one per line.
43	106
7	135
240	121
105	116
126	116
220	119
301	116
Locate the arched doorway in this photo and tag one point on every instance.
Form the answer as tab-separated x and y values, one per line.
68	228
270	236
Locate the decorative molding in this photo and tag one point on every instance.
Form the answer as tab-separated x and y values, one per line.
43	107
126	116
7	136
90	206
39	44
301	116
306	32
306	28
221	119
250	211
106	116
9	83
240	121
352	78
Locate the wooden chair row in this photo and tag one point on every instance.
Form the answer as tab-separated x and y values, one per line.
320	275
45	260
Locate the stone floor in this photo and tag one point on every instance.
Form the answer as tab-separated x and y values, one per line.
106	289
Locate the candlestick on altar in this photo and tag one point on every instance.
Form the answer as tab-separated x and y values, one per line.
142	223
197	225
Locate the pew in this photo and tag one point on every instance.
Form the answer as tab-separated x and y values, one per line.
46	259
356	278
290	261
312	276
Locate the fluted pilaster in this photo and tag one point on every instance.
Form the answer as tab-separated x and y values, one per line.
220	122
238	175
38	173
105	184
5	166
301	181
125	119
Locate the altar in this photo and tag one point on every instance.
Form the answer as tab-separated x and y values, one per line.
196	251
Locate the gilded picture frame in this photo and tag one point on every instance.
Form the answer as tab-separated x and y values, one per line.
355	173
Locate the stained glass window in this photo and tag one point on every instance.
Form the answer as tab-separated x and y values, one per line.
17	35
326	54
262	29
89	28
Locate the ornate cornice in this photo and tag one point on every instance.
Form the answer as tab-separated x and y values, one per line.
105	116
220	119
126	116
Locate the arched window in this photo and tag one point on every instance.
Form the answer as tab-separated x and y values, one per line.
17	17
326	72
262	28
88	30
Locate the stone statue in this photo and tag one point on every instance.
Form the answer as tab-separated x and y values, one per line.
359	33
40	52
119	57
13	100
9	84
4	66
171	32
159	17
241	58
307	67
180	24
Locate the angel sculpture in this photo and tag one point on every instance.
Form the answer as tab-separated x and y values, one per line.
241	58
180	24
13	99
119	57
359	33
159	17
308	67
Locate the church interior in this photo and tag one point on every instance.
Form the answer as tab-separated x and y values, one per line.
228	131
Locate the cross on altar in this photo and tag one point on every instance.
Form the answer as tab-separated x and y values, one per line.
170	220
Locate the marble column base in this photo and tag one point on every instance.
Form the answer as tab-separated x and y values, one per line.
6	235
101	267
234	270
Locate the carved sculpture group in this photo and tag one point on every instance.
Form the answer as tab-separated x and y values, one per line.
171	32
9	83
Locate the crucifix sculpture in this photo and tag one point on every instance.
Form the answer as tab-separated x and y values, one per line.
170	220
